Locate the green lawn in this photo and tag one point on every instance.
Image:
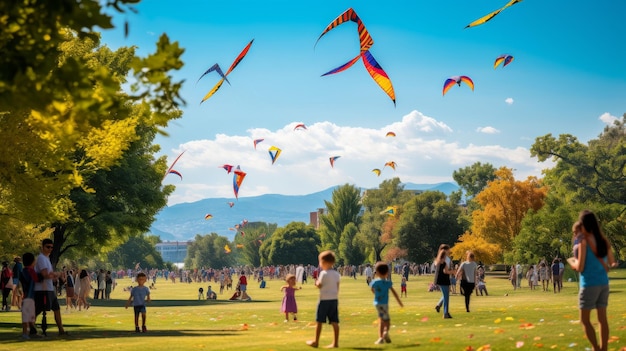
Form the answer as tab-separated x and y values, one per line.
178	321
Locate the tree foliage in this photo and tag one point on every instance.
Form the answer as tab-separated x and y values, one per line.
208	251
138	249
505	202
389	193
249	245
351	250
427	221
473	179
484	251
594	172
293	244
344	209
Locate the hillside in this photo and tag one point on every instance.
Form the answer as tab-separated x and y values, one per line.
183	221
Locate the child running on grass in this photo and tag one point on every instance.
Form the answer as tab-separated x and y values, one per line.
289	300
139	295
327	308
381	287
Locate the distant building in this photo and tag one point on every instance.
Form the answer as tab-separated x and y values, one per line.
173	251
314	218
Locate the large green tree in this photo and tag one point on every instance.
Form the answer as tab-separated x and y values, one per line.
138	249
427	221
593	172
249	240
473	179
344	209
209	251
389	193
293	244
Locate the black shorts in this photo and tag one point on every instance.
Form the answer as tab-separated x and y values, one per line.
46	301
328	310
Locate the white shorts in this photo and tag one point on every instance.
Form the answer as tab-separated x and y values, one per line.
28	311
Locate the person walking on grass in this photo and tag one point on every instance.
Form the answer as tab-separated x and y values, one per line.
139	296
467	275
592	262
45	294
327	308
381	287
443	270
28	278
289	300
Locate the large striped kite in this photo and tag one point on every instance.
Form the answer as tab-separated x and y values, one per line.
491	15
365	40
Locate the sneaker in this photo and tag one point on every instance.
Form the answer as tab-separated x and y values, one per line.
387	338
137	330
25	337
379	341
447	316
144	329
437	308
33	331
295	318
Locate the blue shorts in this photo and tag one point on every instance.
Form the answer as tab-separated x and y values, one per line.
383	312
139	309
328	310
243	287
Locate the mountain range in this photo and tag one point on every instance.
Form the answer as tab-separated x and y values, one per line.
181	222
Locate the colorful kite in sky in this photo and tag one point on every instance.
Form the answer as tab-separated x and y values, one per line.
228	168
216	67
391	164
240	57
208	216
492	14
256	142
231	204
390	134
457	80
227	249
171	168
274	153
238	177
332	160
371	65
377	171
299	125
240	246
506	58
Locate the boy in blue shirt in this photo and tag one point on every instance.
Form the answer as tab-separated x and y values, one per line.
139	295
381	287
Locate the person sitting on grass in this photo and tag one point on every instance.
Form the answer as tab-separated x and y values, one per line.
210	294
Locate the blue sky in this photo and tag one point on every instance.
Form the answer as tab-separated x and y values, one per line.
568	76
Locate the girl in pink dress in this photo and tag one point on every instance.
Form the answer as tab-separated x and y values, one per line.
289	300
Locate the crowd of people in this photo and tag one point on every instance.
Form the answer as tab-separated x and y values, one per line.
32	285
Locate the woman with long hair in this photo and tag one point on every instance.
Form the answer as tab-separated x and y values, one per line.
594	257
443	270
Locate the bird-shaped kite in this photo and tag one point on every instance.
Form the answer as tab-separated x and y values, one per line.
365	40
391	164
377	171
390	210
390	134
240	57
492	14
231	204
506	58
274	153
227	249
208	216
299	125
457	80
228	168
171	170
216	67
332	161
256	142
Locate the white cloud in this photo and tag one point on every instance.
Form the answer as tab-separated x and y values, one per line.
509	101
487	130
607	118
423	149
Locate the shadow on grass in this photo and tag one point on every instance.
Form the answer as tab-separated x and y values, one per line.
395	347
86	334
172	303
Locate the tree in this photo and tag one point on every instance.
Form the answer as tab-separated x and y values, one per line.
138	249
390	192
505	202
64	115
427	221
474	179
484	251
208	251
249	244
350	247
293	244
596	171
343	210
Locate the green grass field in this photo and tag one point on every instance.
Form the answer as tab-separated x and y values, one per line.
505	320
